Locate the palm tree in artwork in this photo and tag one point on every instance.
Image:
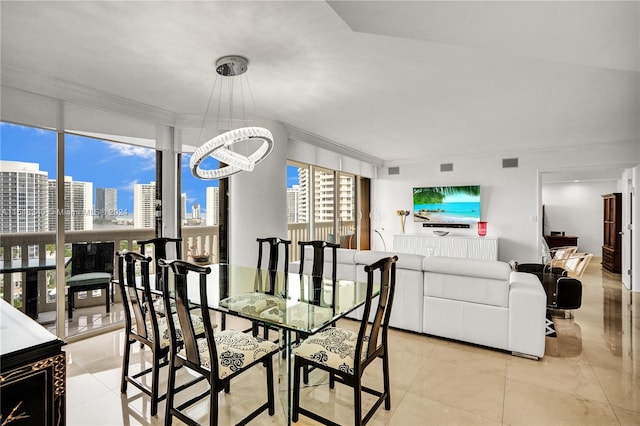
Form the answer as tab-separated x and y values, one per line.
437	194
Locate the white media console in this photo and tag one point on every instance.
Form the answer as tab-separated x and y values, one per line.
464	246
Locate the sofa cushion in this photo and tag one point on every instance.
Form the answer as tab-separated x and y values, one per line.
476	281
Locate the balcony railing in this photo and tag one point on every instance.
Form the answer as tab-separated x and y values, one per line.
195	239
323	231
14	246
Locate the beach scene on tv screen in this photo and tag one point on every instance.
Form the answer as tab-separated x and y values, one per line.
447	204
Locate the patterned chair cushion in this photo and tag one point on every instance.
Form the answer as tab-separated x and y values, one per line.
252	303
298	315
333	347
235	350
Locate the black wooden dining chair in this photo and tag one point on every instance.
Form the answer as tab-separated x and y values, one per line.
161	246
346	354
270	251
144	325
314	266
218	357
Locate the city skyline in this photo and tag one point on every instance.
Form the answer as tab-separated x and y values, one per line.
117	165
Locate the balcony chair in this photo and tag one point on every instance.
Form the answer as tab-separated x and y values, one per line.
91	269
209	355
143	324
346	354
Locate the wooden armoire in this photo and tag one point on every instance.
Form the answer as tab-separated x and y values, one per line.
612	239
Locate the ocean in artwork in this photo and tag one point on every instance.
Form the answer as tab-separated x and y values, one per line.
456	212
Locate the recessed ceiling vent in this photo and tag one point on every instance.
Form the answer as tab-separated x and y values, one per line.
394	171
446	167
509	162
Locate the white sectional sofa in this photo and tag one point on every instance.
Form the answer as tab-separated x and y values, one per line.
476	301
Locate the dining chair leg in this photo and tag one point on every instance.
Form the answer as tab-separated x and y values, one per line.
332	381
155	379
213	402
357	402
296	391
305	374
171	384
125	365
387	384
270	395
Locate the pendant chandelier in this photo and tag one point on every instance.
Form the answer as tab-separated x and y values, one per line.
220	147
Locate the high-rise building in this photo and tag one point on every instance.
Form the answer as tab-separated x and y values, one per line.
212	205
292	203
78	205
24	203
323	197
303	194
106	203
195	211
183	207
144	205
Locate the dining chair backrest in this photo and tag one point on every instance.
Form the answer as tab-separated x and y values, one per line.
272	254
92	257
180	270
374	333
314	265
136	296
161	251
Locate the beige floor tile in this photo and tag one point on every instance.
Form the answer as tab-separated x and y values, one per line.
415	410
84	387
476	358
574	376
461	387
529	404
622	389
627	417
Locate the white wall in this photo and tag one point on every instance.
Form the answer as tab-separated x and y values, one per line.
511	197
259	202
576	209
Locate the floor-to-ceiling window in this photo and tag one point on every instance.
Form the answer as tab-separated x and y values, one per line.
109	196
27	172
200	212
322	204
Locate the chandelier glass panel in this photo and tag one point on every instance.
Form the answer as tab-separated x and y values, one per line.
231	68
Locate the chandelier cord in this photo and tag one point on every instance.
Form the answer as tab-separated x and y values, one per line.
206	112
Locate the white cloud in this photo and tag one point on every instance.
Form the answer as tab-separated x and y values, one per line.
132	151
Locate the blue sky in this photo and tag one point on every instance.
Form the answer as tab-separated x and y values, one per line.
106	164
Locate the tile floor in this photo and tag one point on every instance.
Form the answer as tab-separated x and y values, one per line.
590	375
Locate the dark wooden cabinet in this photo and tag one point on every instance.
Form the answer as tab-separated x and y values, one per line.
32	372
561	240
612	240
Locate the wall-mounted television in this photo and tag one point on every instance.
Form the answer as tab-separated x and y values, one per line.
447	206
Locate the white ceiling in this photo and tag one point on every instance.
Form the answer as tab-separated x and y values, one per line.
394	80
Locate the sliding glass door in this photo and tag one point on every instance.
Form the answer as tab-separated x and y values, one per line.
321	205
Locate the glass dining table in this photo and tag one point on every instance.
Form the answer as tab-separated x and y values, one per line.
290	303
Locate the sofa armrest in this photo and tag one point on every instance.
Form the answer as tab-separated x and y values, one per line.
527	315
